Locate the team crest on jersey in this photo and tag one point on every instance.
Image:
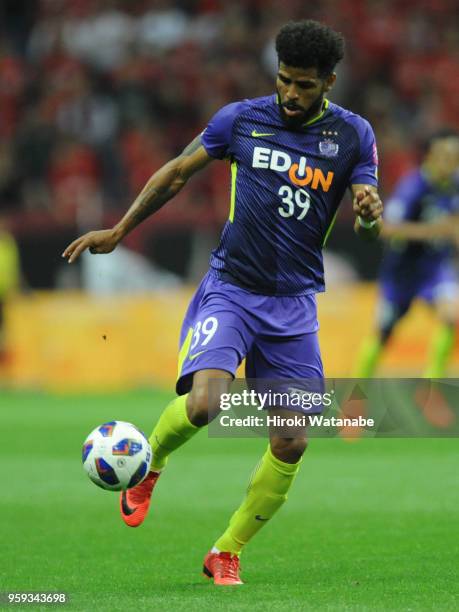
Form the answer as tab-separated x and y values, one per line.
328	147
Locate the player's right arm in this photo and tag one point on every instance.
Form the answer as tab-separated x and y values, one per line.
161	187
446	228
403	215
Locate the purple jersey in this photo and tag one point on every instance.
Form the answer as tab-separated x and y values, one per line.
286	188
417	199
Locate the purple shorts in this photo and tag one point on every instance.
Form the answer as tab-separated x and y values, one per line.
225	324
397	295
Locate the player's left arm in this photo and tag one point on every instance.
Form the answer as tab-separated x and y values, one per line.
368	209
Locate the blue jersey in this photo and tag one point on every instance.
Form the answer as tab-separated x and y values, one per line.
286	187
416	198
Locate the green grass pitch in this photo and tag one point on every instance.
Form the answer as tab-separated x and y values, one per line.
369	525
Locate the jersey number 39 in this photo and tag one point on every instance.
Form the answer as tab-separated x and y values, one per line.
206	328
292	200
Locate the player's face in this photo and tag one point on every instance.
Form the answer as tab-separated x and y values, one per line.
301	92
443	159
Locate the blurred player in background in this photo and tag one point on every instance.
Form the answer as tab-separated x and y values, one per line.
293	155
421	228
9	279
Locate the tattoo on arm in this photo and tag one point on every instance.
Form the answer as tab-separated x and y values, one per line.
161	187
149	201
152	198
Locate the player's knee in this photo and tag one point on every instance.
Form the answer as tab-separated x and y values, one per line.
198	406
203	404
289	450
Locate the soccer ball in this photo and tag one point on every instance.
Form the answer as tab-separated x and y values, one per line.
116	456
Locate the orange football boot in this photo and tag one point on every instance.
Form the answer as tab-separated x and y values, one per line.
434	406
223	567
135	502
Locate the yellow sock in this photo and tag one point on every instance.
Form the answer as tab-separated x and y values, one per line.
368	358
440	352
173	429
266	493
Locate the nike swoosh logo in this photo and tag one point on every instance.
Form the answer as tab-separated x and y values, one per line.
127	510
260	518
191	357
256	134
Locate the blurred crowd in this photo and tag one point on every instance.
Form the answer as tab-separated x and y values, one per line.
97	94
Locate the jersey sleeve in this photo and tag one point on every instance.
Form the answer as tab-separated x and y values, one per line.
217	136
365	172
403	203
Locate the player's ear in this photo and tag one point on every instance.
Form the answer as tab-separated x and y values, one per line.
330	81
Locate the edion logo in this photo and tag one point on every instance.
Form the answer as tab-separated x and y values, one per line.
300	174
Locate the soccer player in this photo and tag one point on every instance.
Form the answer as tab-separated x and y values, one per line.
293	154
10	276
422	223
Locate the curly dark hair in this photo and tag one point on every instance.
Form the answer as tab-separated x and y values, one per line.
309	44
441	133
